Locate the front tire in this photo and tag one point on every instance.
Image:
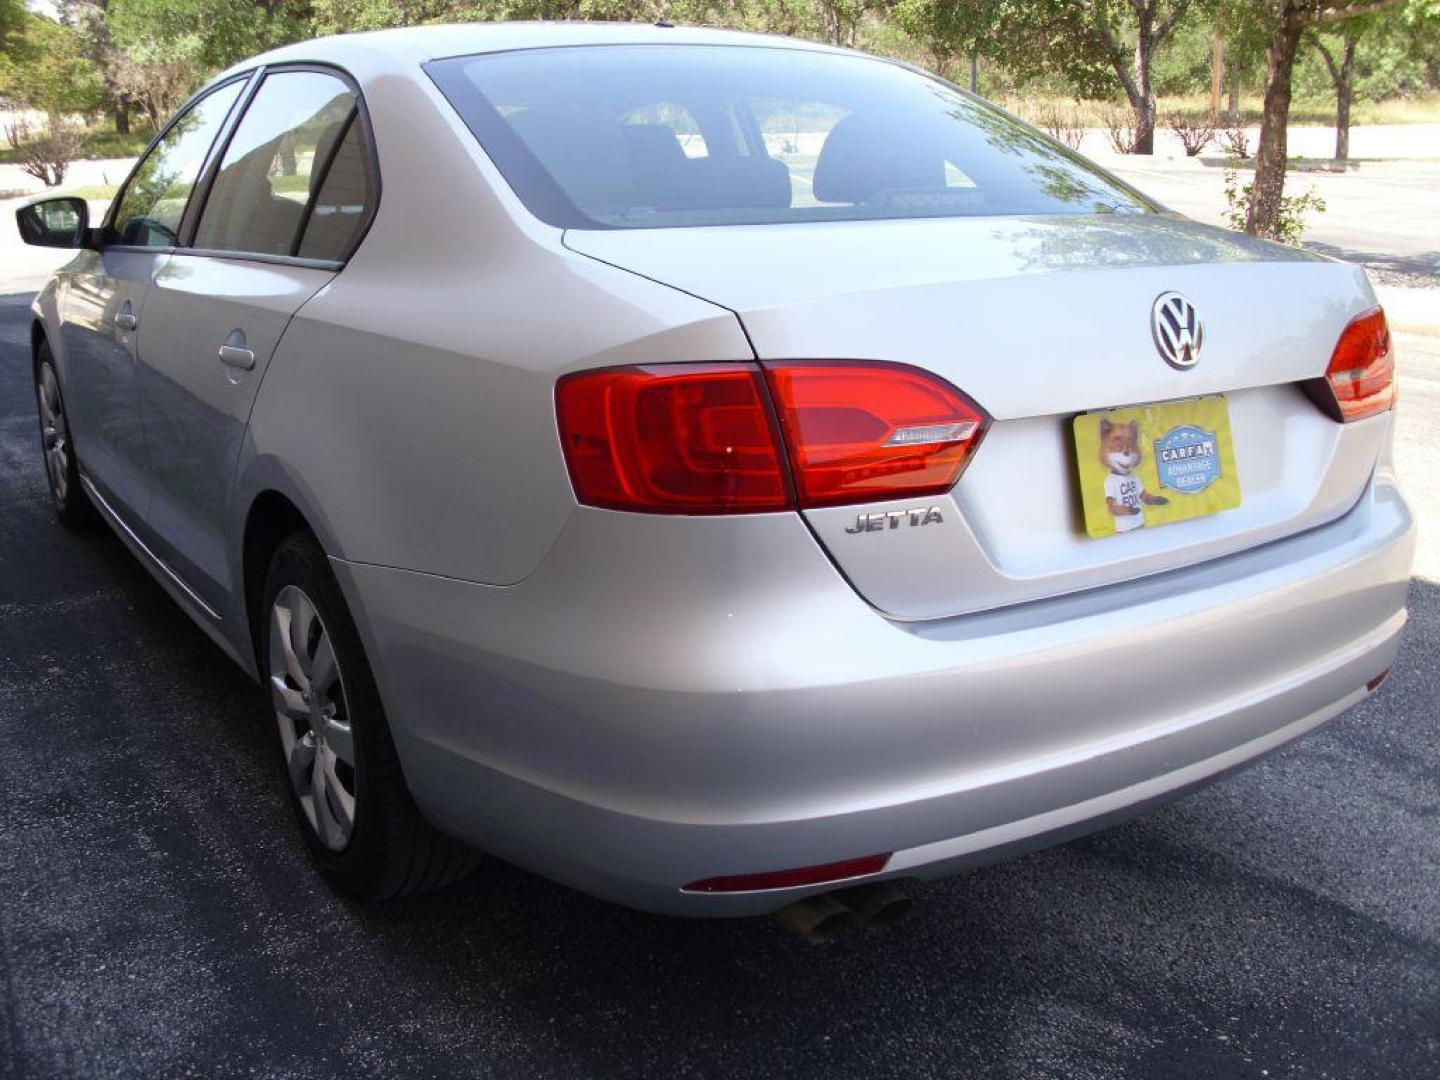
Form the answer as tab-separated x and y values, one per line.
62	467
337	756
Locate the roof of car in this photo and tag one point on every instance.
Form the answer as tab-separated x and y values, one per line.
418	44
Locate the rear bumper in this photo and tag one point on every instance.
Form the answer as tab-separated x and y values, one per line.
693	698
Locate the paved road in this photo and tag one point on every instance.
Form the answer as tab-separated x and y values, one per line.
1386	216
158	917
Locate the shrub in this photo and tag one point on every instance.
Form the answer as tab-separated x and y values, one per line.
1063	123
48	157
1195	131
17	133
1236	142
1289	223
1120	127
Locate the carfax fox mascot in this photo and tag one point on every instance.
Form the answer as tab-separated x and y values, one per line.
1125	494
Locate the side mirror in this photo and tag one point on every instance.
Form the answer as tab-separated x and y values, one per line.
58	223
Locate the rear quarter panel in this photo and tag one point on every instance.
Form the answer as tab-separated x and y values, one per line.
411	402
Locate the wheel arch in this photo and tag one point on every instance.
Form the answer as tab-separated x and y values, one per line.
272	517
40	335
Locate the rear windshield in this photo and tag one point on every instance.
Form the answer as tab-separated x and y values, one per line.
655	136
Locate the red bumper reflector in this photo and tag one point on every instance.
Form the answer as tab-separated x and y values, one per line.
1374	684
789	879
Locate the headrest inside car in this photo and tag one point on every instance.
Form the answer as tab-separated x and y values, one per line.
584	149
718	183
864	155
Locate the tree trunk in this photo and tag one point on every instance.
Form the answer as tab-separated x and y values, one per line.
974	74
1217	74
1342	123
122	119
1269	186
1234	103
1143	100
1344	89
1342	77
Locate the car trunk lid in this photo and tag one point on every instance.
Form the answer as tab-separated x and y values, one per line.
1038	320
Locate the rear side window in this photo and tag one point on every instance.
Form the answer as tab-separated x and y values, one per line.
279	164
649	136
154	201
342	203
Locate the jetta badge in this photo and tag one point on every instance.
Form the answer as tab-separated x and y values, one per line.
1175	325
893	519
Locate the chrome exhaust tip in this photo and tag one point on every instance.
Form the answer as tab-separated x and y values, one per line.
876	903
818	919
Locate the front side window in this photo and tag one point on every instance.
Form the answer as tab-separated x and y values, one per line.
154	201
276	163
650	136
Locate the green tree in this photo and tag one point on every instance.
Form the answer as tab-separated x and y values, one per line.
1096	45
163	49
840	19
340	16
1336	46
947	29
12	20
211	34
88	18
1246	34
1289	21
1420	25
44	67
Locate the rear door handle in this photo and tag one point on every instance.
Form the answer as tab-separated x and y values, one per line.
237	357
125	321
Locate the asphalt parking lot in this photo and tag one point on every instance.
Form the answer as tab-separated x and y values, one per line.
158	916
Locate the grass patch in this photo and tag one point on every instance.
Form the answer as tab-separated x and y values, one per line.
88	192
96	144
1319	111
101	143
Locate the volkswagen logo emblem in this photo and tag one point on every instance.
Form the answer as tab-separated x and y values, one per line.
1175	325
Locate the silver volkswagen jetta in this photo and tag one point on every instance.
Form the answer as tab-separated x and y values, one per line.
708	469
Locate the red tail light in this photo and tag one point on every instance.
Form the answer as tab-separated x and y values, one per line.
1361	375
679	439
866	431
704	438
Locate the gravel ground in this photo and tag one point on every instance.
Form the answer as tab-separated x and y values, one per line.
158	916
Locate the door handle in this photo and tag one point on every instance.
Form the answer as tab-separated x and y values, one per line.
125	321
236	357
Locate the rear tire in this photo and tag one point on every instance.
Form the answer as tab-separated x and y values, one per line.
336	754
62	467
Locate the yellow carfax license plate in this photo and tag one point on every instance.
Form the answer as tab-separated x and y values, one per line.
1150	465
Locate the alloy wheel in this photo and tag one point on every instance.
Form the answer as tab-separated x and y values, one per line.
315	732
54	433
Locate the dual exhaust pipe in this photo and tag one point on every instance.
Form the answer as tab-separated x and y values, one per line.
822	918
